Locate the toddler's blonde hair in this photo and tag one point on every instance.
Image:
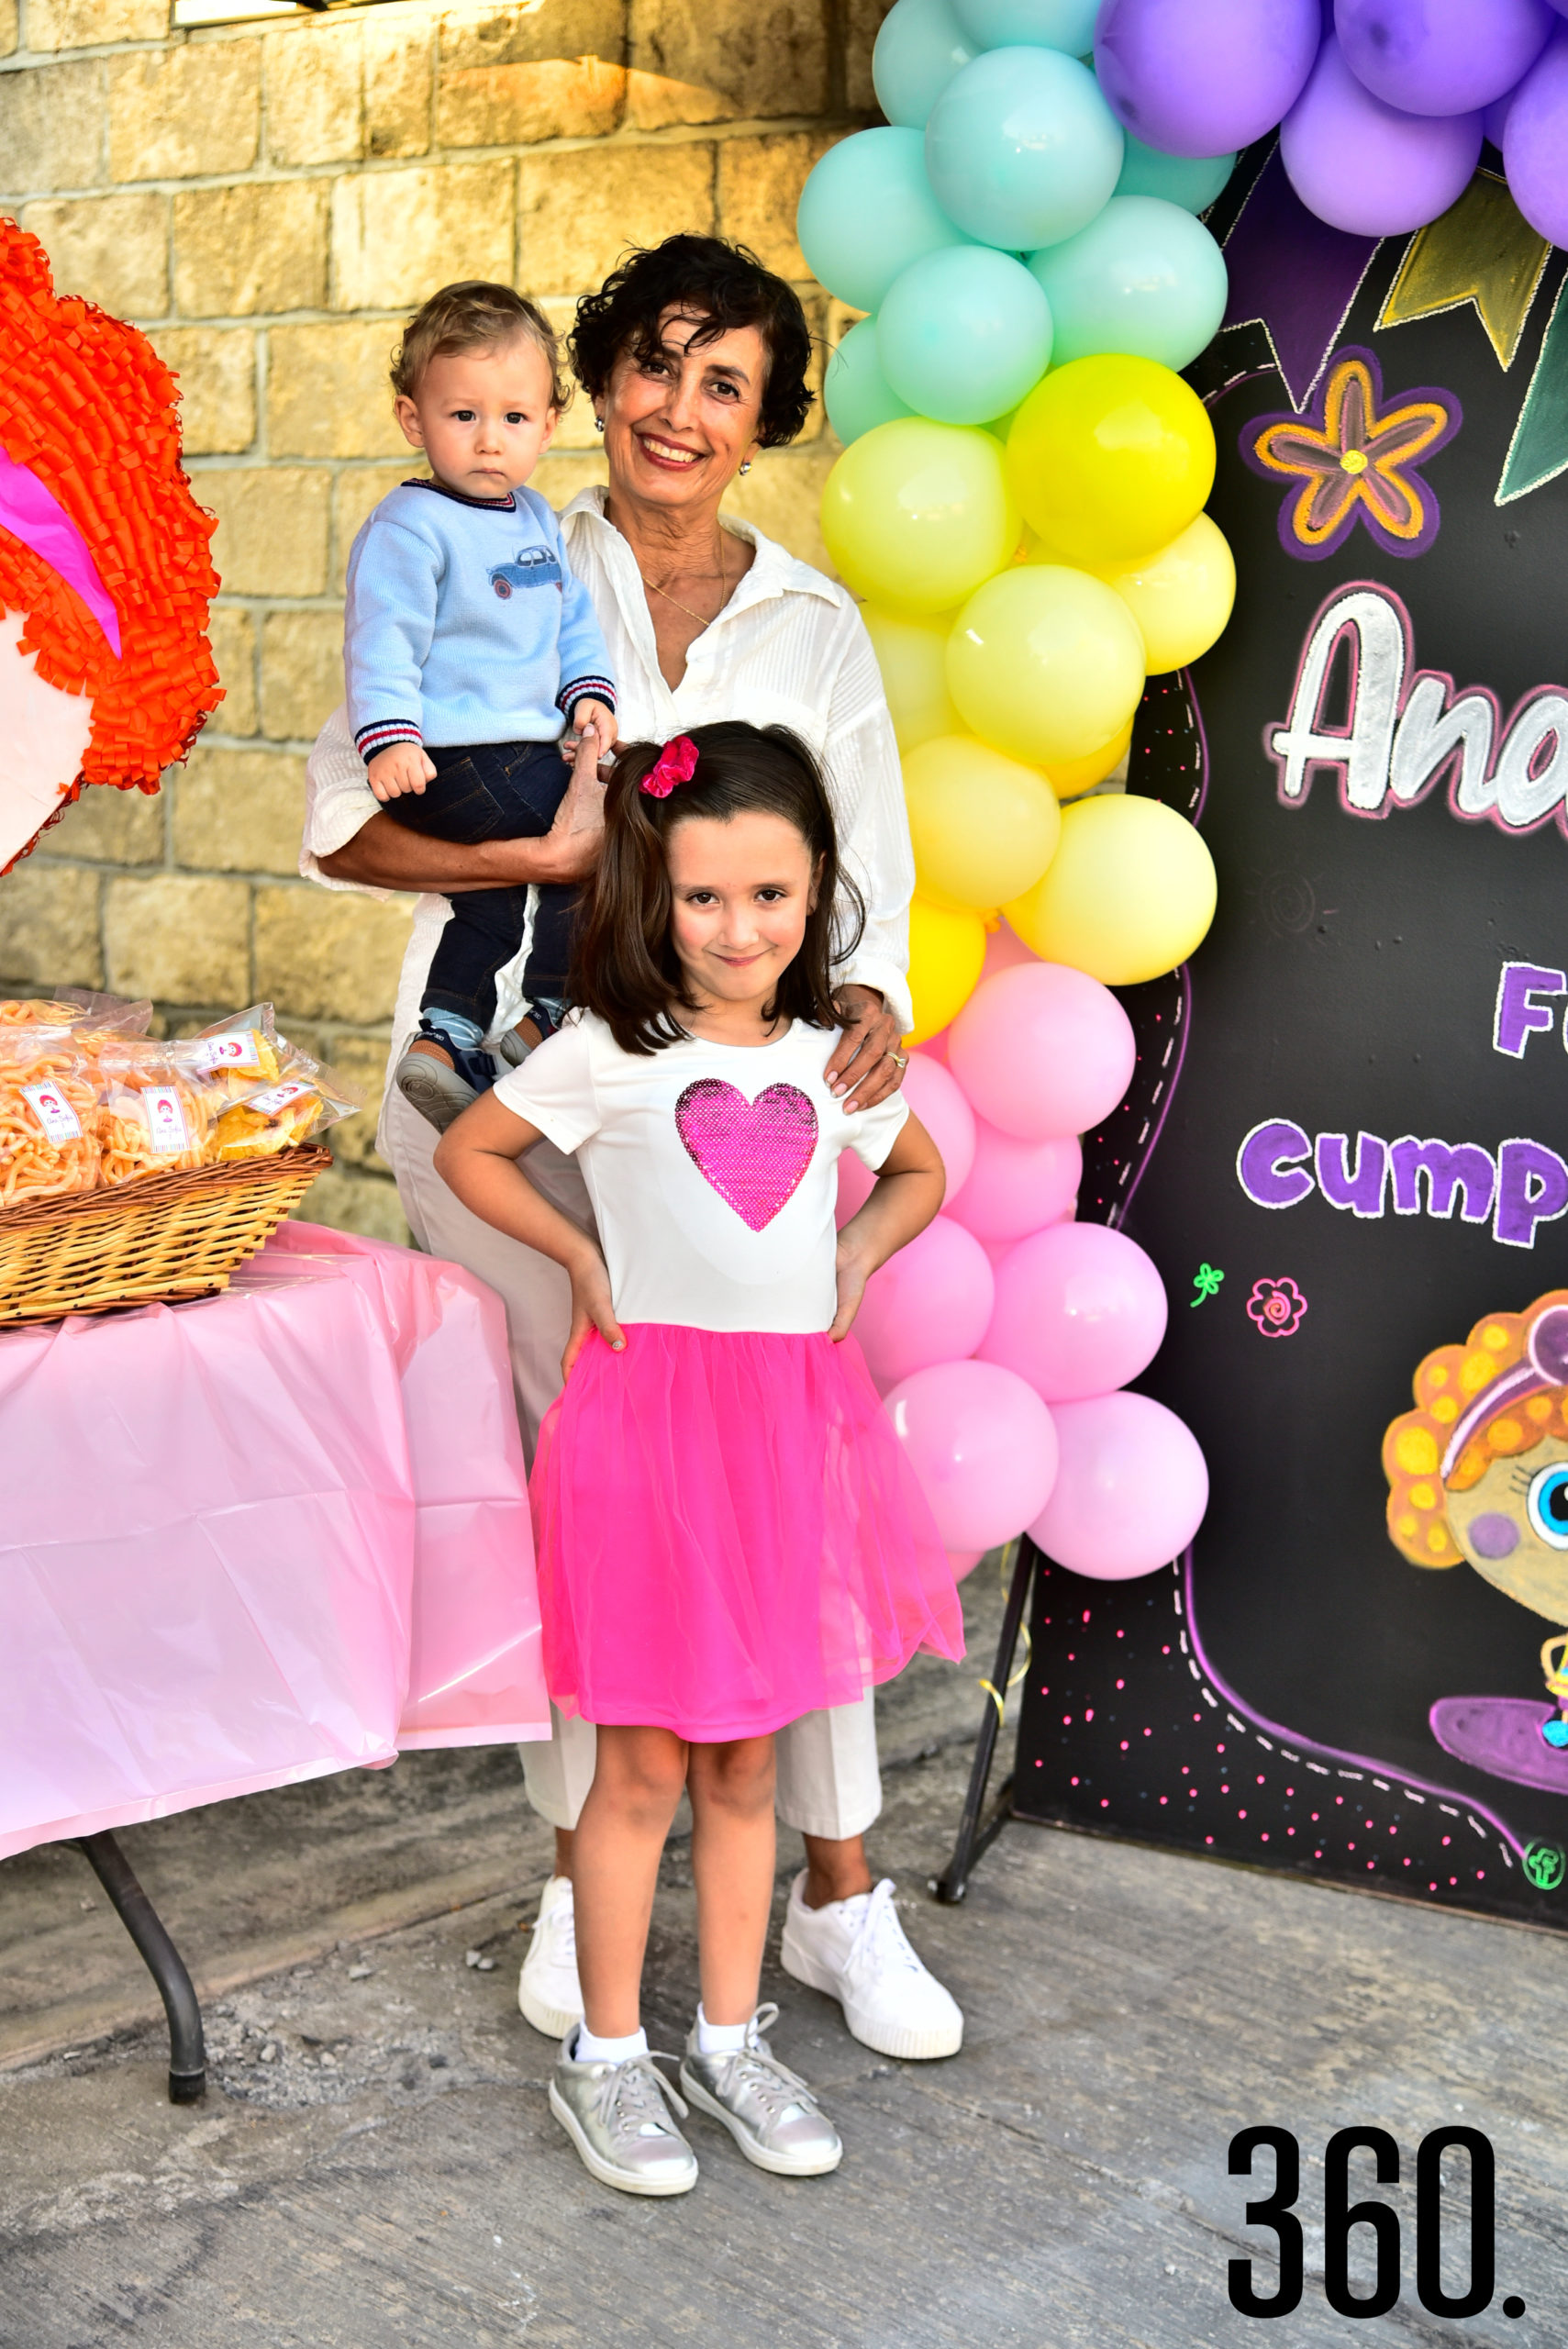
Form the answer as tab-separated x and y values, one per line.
475	316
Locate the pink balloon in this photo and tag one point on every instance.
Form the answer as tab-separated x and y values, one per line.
1015	1187
1080	1308
964	1561
937	1098
1131	1492
981	1443
931	1303
1042	1050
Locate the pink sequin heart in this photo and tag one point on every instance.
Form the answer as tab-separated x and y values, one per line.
753	1152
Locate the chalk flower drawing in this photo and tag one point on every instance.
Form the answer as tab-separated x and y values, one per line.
1357	461
1276	1307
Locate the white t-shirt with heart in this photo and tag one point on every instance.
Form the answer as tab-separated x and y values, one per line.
713	1168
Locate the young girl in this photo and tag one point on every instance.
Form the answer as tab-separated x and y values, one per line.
728	1536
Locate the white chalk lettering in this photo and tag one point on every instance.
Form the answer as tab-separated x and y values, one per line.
1405	730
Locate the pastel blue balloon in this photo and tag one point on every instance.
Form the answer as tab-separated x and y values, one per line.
1144	278
857	395
1191	181
1067	25
964	335
919	49
867	211
1021	148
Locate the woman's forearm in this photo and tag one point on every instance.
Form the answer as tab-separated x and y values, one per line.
383	855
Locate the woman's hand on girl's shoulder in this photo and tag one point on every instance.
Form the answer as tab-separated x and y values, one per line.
864	1065
592	1308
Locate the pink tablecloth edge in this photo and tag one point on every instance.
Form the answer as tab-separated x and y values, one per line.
420	1740
116	1815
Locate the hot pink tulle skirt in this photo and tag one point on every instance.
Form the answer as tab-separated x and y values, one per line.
729	1534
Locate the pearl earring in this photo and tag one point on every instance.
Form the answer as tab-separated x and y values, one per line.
745	465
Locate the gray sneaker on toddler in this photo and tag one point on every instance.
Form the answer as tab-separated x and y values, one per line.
768	2110
618	2117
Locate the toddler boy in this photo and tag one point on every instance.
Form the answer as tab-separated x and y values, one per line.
468	649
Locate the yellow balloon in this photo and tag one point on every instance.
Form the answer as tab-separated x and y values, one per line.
1046	664
911	652
985	829
1181	597
1129	894
947	948
1069	777
1110	457
916	515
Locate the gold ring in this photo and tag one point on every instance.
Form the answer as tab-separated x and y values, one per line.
899	1060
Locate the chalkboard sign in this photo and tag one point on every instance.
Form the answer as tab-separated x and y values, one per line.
1347	1143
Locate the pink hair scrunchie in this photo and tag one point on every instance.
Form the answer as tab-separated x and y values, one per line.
676	763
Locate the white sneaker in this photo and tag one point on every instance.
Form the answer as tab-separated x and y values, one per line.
858	1953
548	1990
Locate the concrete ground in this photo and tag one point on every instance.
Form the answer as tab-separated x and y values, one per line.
376	2167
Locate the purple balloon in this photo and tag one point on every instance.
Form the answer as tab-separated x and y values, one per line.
1494	118
1440	56
1201	77
1535	143
1365	167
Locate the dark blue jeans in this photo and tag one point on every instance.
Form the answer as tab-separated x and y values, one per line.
494	791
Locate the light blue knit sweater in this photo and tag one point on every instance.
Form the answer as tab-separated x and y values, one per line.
464	623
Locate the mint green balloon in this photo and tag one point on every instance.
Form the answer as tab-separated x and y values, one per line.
857	395
1143	278
965	335
1040	24
1191	181
867	211
1021	148
919	49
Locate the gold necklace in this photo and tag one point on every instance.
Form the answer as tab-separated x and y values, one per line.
702	619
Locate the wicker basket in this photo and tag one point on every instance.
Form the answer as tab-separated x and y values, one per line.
153	1242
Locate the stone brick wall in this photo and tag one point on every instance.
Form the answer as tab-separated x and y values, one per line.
269	202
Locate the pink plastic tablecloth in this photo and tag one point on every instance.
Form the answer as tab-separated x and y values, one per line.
253	1540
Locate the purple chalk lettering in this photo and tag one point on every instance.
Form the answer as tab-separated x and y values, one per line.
1362	1191
1517	1016
1263	1165
1532	1188
1448	1169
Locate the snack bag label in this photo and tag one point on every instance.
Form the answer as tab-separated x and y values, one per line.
165	1118
228	1052
53	1112
277	1096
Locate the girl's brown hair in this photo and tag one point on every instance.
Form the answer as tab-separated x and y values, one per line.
624	966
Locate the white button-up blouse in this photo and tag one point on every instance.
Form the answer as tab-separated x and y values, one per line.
788	649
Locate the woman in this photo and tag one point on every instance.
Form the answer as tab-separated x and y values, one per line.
695	357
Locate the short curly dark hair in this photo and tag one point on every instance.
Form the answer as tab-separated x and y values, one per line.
725	284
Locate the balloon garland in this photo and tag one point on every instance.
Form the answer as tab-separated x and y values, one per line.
1020	504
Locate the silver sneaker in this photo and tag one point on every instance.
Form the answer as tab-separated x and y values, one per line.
768	2110
618	2116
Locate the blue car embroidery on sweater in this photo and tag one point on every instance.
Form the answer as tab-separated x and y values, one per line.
535	567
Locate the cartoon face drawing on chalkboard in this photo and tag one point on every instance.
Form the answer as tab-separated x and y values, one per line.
1478	1472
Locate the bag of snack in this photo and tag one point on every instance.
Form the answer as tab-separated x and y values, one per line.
307	1099
49	1132
151	1117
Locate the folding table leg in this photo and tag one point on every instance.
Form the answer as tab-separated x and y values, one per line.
187	2051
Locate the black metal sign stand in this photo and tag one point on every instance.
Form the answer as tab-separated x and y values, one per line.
187	2053
978	1829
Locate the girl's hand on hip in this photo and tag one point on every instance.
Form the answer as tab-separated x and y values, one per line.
591	1309
852	1271
866	1065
